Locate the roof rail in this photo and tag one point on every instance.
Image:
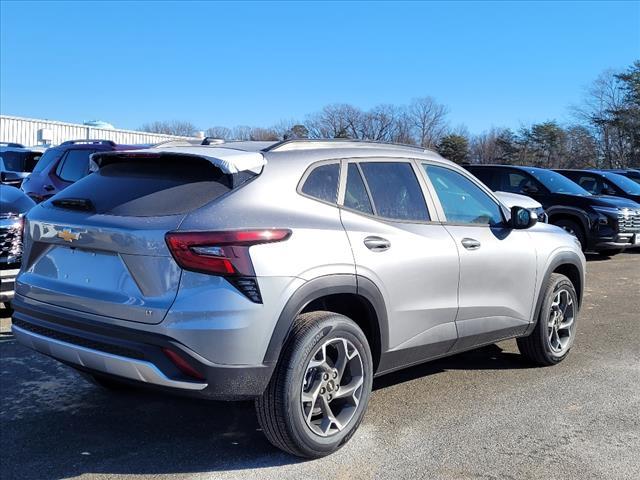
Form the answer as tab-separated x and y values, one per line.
90	141
305	144
11	144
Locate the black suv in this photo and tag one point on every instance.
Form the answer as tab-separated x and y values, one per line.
602	182
601	223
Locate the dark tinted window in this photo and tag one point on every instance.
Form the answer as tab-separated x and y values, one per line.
356	196
13	161
74	165
322	183
145	189
47	158
590	183
518	182
395	190
462	200
488	176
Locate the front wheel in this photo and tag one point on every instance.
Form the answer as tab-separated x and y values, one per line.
575	229
553	337
320	389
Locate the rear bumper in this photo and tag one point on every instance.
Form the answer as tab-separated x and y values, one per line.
133	356
7	284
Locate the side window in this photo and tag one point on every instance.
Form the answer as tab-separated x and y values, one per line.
74	165
356	196
518	182
487	176
322	183
49	157
462	200
589	183
395	190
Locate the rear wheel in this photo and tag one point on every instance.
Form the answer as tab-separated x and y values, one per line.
321	386
553	337
575	229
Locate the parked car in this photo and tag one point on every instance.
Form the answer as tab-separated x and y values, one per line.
632	173
604	224
290	273
13	206
16	162
603	182
515	199
65	164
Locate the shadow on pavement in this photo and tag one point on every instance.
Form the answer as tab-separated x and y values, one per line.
57	425
491	357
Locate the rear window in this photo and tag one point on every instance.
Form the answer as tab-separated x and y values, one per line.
18	161
144	188
322	183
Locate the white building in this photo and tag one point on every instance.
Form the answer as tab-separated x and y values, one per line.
32	131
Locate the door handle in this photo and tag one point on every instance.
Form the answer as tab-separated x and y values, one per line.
48	188
377	244
470	243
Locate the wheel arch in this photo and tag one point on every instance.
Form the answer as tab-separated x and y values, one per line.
568	264
351	295
568	213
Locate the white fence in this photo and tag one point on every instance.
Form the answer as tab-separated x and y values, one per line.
31	131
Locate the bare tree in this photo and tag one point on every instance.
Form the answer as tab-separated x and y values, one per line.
241	132
263	134
219	132
171	127
336	121
428	119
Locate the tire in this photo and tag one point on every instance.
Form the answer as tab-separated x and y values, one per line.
281	410
541	346
575	229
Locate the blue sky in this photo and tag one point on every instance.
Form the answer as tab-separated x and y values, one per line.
493	64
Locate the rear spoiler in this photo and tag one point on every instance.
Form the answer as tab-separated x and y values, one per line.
228	160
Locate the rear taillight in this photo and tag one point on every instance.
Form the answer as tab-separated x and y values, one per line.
223	253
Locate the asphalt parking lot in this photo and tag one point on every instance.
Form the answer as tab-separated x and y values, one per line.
485	414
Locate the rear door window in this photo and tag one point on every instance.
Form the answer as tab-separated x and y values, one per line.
322	183
395	191
74	165
356	196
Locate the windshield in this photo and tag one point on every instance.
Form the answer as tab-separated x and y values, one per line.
626	184
557	183
13	161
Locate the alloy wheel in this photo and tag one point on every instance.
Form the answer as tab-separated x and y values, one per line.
332	387
561	322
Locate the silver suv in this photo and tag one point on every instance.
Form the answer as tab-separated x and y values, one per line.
289	273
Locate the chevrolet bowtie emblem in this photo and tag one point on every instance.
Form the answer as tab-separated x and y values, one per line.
68	235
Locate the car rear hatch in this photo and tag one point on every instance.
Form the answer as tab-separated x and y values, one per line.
99	246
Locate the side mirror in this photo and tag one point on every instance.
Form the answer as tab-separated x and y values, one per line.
522	218
609	191
531	189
